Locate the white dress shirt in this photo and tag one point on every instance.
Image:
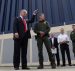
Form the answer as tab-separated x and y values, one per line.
52	41
63	37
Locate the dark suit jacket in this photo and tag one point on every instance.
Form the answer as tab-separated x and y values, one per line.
18	27
55	42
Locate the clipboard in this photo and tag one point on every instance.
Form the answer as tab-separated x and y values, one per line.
54	50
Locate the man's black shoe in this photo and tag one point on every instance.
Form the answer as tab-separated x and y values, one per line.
63	65
16	68
58	65
53	67
70	65
40	67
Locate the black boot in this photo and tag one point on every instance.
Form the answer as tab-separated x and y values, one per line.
16	68
63	65
53	65
70	64
58	64
40	67
25	67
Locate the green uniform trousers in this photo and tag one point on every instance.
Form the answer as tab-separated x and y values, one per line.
73	43
46	41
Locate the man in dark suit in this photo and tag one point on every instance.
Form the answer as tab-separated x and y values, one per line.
21	34
54	44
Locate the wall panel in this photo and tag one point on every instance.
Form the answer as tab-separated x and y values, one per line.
56	11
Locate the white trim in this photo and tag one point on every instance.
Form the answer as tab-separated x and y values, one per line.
53	29
30	51
1	50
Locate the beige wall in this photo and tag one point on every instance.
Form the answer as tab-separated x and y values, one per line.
53	30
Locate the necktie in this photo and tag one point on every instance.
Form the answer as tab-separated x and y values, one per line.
25	25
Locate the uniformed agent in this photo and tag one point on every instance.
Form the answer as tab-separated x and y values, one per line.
72	36
42	29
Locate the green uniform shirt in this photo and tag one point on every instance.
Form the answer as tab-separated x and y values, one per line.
42	26
72	36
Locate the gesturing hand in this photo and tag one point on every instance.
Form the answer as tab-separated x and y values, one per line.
35	12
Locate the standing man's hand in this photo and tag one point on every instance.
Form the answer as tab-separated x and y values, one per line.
35	12
16	35
53	47
42	33
64	42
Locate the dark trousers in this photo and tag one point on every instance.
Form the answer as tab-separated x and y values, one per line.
20	50
65	49
73	43
57	57
40	42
